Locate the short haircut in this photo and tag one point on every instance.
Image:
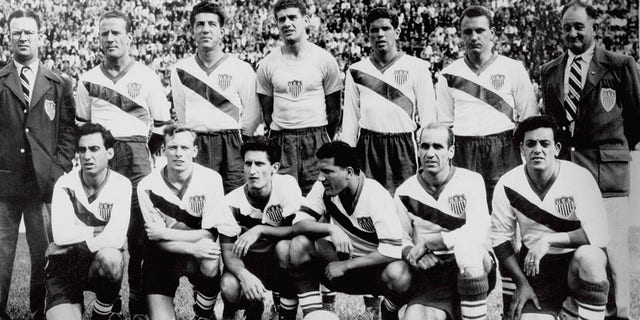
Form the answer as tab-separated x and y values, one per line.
286	4
477	11
591	11
24	14
262	143
207	6
534	123
435	126
343	155
91	128
174	128
115	14
382	13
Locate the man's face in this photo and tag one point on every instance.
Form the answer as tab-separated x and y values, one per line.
207	30
94	157
382	35
577	29
291	24
25	39
433	151
258	170
333	178
180	151
477	36
539	149
114	38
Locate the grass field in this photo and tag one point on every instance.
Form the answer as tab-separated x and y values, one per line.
347	307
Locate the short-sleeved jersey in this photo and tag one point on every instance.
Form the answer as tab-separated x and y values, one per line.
370	221
397	98
485	103
132	104
200	204
219	98
457	209
280	209
571	202
100	219
299	87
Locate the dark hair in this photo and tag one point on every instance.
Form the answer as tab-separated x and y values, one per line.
174	128
435	126
477	11
286	4
24	14
534	123
591	11
115	14
343	155
262	143
207	7
382	13
91	128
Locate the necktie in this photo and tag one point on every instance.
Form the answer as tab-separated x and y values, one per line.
575	86
24	81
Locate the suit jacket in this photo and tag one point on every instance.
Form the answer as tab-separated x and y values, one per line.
45	129
607	124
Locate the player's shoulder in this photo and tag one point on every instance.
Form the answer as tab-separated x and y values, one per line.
374	191
284	180
236	195
408	186
185	63
118	179
574	170
467	175
318	52
513	176
454	67
203	173
92	74
140	69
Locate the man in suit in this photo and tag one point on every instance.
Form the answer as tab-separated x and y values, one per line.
594	95
37	133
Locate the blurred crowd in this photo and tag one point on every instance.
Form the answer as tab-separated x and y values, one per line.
528	30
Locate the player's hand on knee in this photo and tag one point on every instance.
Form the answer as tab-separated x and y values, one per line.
341	240
523	294
538	250
155	229
428	261
416	253
252	287
245	240
205	249
336	269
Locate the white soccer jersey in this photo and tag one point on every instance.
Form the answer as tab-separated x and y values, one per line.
571	202
221	98
485	103
458	210
200	204
101	219
371	225
132	104
299	87
395	99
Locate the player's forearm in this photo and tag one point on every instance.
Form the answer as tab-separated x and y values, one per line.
372	259
232	263
275	232
266	104
333	113
312	228
572	239
513	270
179	247
185	235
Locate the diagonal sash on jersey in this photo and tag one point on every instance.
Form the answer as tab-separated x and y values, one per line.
432	215
539	215
208	93
346	223
174	211
82	213
385	90
487	96
117	99
244	221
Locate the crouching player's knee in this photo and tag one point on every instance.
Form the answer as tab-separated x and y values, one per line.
282	253
299	250
419	312
210	267
230	288
588	281
589	263
108	264
475	266
397	277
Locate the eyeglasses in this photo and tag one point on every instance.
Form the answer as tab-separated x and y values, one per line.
18	33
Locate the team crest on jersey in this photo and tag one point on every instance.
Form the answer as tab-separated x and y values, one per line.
224	81
607	98
50	109
133	89
366	223
497	81
401	76
197	203
458	204
565	206
294	88
105	210
274	213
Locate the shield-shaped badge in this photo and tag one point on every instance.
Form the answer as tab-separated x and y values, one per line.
294	88
50	109
134	89
401	76
607	98
105	210
224	81
366	224
497	81
458	204
565	206
197	203
274	213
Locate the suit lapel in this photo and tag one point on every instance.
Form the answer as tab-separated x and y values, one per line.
557	81
12	81
41	86
595	73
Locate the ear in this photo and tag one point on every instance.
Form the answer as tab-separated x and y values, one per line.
110	153
307	19
558	148
452	152
397	32
195	151
522	149
275	166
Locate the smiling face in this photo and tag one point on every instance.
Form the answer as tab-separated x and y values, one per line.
292	24
477	35
577	29
383	36
540	149
114	38
207	31
25	40
94	157
433	151
180	151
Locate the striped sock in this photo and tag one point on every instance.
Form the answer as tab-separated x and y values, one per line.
102	309
288	309
310	301
370	301
473	297
276	298
328	298
203	306
591	298
388	310
508	289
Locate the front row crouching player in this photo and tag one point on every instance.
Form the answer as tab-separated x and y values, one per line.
562	221
365	243
89	220
264	207
444	209
185	213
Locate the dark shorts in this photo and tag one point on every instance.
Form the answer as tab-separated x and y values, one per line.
220	151
67	277
438	287
491	156
298	153
265	266
389	158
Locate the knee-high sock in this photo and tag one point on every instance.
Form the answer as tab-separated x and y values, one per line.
473	297
308	287
591	298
